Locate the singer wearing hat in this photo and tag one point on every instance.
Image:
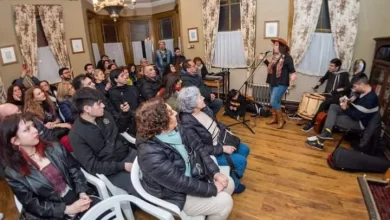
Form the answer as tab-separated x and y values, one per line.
281	73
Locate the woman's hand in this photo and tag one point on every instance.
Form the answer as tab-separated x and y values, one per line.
50	125
84	196
108	86
63	125
228	149
79	206
293	77
261	56
219	186
219	177
16	98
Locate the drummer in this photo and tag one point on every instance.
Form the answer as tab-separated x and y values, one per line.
337	86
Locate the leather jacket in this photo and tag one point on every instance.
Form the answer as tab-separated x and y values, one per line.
37	196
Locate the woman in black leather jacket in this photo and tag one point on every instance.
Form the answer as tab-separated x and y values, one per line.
45	179
163	156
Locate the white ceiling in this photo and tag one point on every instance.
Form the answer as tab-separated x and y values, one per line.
147	3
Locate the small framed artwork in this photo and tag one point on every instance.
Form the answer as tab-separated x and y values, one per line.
193	35
271	29
77	45
8	55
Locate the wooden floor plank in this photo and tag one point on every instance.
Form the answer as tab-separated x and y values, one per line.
285	179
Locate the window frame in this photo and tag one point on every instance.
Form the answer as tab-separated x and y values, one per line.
324	30
229	4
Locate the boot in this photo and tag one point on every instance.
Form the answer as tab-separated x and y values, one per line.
281	121
273	120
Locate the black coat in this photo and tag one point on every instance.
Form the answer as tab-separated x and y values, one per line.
100	148
149	87
197	131
126	93
194	80
336	81
37	195
163	171
65	108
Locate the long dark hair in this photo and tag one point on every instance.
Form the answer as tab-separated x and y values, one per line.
169	83
11	155
167	69
283	49
10	95
129	68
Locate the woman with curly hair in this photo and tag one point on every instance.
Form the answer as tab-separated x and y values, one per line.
38	103
46	179
15	95
165	156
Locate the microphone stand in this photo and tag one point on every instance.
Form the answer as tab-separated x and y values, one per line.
245	84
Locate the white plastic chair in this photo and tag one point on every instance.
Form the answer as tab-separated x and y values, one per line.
99	184
135	179
116	191
114	203
128	137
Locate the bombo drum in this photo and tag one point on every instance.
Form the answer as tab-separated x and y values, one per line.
309	105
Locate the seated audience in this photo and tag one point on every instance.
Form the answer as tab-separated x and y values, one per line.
26	79
191	78
337	86
100	81
65	74
44	177
50	90
144	63
178	57
235	105
201	67
15	96
45	134
199	122
105	67
100	64
164	157
126	71
38	103
64	97
112	67
171	87
169	69
353	115
121	93
133	73
150	84
89	70
96	140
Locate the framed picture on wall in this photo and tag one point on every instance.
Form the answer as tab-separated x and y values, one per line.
193	35
77	45
8	55
271	29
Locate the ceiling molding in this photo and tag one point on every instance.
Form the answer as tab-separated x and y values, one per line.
153	4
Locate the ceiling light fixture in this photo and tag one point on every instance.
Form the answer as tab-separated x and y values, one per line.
113	7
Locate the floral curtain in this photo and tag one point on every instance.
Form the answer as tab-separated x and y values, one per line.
3	96
53	26
343	16
210	14
26	33
303	30
248	28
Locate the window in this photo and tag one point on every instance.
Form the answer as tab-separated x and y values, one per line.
139	30
142	46
323	24
229	15
166	28
110	34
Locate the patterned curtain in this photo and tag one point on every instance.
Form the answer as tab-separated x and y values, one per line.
53	26
343	16
210	14
3	95
248	28
303	30
26	33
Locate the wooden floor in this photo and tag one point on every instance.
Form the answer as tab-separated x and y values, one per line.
284	179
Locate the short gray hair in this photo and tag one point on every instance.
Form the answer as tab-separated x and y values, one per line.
187	100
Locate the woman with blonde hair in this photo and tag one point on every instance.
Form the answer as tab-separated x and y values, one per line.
65	92
38	102
101	82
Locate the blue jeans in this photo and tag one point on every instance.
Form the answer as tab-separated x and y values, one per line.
239	161
215	105
276	95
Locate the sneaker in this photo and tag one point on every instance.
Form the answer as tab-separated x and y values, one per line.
238	118
315	144
240	189
325	135
308	127
312	138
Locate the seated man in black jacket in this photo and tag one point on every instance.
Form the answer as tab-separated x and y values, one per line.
149	84
338	85
192	78
352	115
96	140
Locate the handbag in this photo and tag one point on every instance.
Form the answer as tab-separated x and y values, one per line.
228	138
197	166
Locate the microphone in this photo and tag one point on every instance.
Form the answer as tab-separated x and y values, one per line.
266	52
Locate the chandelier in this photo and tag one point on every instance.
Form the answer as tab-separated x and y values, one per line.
113	7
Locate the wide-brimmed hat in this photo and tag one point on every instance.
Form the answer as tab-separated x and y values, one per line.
281	41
